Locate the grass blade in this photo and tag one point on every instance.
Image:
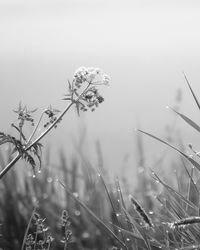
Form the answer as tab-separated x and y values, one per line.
174	192
193	162
112	205
100	222
188	120
195	98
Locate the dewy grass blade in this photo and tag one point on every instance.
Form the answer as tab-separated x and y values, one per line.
154	243
174	192
100	222
188	120
193	162
195	98
112	205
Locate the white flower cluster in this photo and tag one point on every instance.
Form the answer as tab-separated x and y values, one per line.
90	75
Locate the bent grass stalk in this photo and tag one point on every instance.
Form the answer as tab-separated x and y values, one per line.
18	156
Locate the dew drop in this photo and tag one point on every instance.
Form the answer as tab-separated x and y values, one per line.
34	199
39	171
77	213
49	179
33	175
85	235
75	195
150	212
127	239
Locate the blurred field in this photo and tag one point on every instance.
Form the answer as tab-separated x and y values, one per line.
104	195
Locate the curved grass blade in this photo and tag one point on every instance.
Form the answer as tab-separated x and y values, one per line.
188	120
100	222
143	236
193	162
112	205
155	245
195	98
173	192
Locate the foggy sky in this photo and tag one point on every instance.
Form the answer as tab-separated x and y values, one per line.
142	45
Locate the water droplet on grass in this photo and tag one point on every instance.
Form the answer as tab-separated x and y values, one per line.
75	195
77	213
85	235
49	179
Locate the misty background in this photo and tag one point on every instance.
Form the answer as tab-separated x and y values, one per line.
143	45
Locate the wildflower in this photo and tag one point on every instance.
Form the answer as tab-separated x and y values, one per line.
65	226
29	241
91	100
24	115
90	75
105	79
51	113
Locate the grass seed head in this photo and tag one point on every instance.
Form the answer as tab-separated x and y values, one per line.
141	212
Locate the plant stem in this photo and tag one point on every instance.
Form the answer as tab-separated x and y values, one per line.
36	127
10	164
29	224
65	247
36	238
18	156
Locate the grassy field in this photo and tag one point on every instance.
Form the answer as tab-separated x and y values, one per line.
77	205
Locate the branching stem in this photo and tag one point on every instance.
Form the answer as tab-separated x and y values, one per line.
18	156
